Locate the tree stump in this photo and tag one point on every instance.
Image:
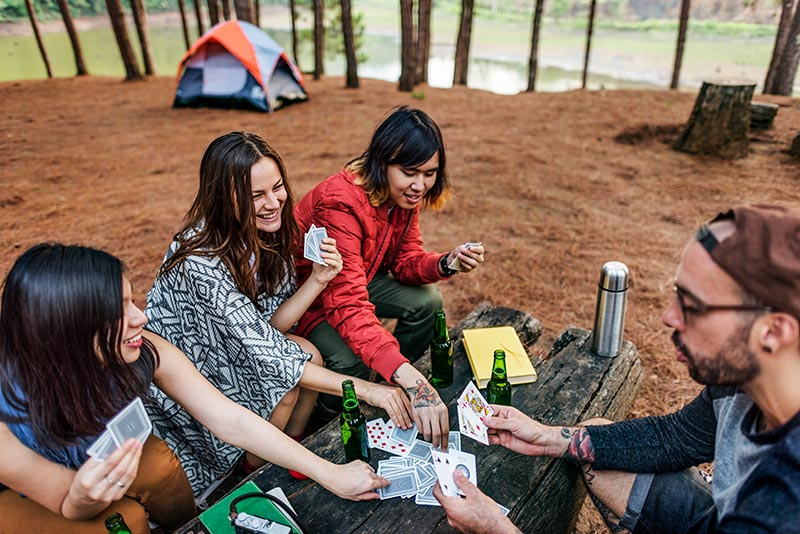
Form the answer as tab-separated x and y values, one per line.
794	151
720	122
762	114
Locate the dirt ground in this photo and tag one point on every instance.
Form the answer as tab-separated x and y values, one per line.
539	178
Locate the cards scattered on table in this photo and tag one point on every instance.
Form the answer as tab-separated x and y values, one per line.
456	263
312	242
131	422
379	436
471	407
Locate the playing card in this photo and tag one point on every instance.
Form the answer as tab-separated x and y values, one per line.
468	426
376	431
102	447
503	508
420	450
464	462
456	263
454	440
131	422
425	497
475	401
471	407
406	437
444	473
402	484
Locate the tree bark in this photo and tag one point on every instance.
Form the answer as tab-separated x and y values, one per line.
293	14
423	41
184	24
66	15
589	30
35	26
319	39
226	9
117	17
198	14
244	10
533	61
787	69
349	45
720	122
462	43
407	47
140	21
213	11
257	12
682	25
787	8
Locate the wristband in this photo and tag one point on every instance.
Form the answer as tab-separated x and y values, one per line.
447	271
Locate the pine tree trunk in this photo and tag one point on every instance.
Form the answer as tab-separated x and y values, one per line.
720	122
787	69
462	43
319	39
423	41
589	30
66	15
682	25
349	45
407	47
787	9
117	17
257	12
244	10
198	14
293	13
533	61
213	11
140	20
35	26
184	24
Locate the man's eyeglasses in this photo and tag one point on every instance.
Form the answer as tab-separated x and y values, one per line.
701	307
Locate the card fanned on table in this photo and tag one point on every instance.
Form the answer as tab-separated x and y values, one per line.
480	344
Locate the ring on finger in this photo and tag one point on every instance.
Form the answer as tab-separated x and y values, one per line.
111	481
120	484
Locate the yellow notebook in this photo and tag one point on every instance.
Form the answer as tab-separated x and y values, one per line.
480	344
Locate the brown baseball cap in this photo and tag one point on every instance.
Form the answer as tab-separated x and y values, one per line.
763	255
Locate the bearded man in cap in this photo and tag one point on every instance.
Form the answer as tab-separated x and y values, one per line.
735	317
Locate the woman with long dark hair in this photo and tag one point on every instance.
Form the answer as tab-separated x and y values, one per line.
226	295
73	352
372	208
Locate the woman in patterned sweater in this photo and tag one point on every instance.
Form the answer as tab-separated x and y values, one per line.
226	296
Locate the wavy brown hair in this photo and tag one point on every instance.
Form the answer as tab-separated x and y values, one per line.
60	333
227	224
407	137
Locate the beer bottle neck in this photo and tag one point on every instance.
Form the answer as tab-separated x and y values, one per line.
440	327
499	366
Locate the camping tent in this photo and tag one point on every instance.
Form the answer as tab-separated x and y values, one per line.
237	65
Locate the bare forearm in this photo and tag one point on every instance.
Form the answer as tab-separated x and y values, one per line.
295	306
421	393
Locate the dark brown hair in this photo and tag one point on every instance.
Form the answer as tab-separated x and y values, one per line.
60	335
407	137
223	213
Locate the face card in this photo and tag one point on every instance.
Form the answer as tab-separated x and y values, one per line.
473	399
131	422
406	437
102	447
470	426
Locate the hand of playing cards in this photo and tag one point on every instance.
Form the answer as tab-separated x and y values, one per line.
311	246
131	422
456	263
471	407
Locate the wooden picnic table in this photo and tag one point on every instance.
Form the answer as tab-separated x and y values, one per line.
543	494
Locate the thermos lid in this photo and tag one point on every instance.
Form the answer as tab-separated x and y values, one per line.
614	276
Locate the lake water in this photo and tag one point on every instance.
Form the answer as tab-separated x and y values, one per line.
20	59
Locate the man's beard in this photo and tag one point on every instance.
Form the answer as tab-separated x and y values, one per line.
733	365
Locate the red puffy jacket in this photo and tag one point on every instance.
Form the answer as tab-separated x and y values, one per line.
370	239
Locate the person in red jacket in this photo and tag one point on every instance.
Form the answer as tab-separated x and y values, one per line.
371	208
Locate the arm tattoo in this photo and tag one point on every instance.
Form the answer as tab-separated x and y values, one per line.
580	447
423	395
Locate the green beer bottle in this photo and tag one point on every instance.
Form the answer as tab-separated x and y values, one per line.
116	525
353	425
499	389
441	353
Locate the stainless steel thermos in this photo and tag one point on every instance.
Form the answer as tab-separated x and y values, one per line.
609	314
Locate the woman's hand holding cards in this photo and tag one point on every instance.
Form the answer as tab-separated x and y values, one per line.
333	262
466	257
98	483
356	481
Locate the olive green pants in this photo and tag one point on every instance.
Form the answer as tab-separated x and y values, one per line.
412	306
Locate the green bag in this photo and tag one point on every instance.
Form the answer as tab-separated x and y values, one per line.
216	519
